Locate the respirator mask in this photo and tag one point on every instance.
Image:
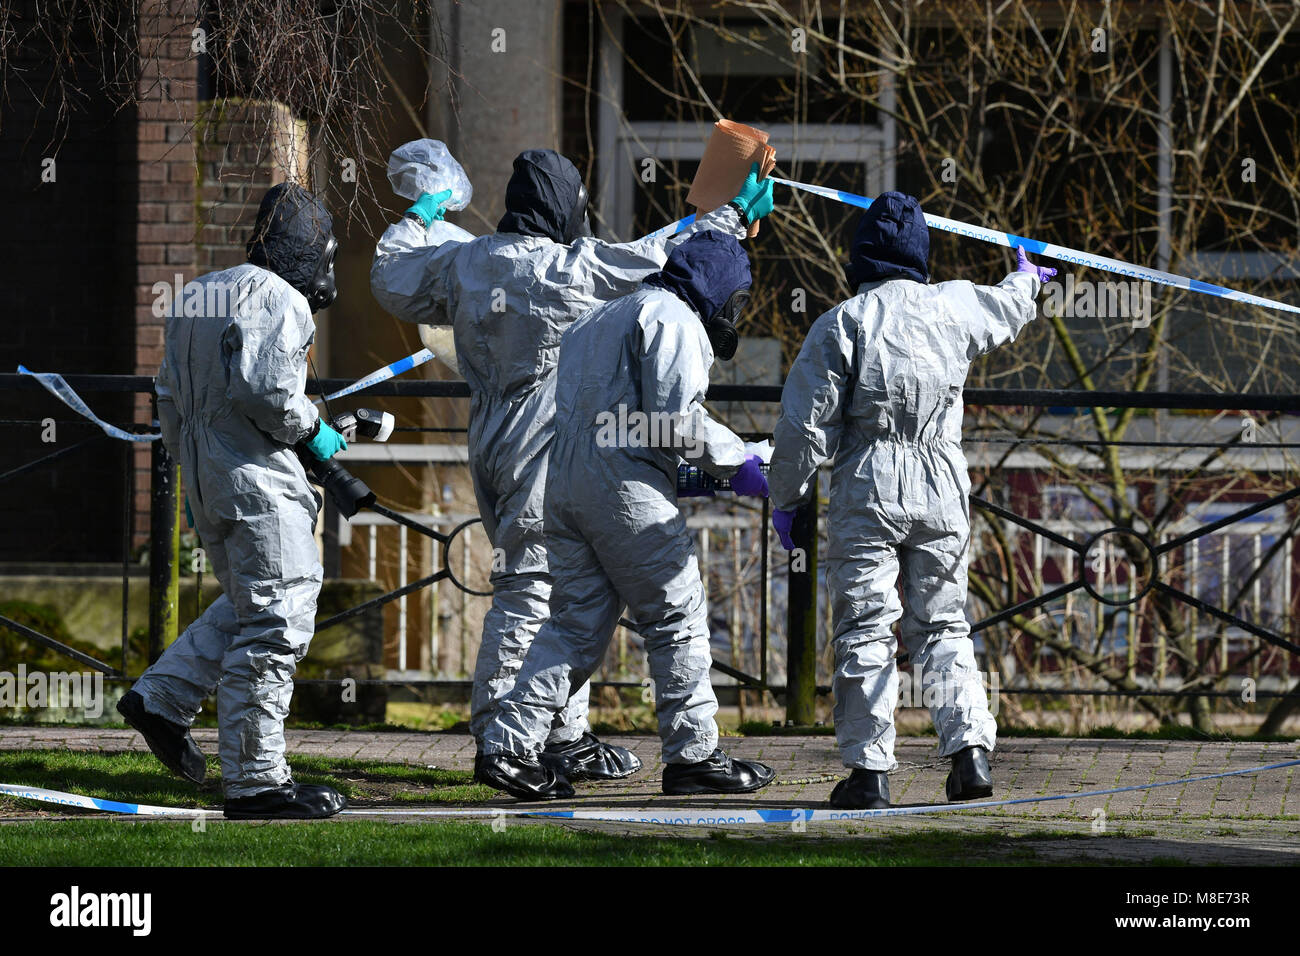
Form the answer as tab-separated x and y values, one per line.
579	225
322	291
721	327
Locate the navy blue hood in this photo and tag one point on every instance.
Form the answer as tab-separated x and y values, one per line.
704	271
290	234
543	196
892	242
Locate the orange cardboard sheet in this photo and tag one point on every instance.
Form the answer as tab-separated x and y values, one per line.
731	150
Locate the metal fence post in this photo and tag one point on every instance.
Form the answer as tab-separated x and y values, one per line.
801	621
164	550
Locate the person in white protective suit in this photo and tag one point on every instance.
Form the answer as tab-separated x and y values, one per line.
232	406
424	171
877	386
615	533
510	297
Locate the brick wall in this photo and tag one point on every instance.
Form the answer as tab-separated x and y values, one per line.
165	194
234	172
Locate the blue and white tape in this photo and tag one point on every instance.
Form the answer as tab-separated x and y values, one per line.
1035	246
390	370
65	393
1052	251
671	229
674	816
720	816
61	390
98	803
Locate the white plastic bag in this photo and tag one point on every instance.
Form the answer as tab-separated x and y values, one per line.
426	166
440	340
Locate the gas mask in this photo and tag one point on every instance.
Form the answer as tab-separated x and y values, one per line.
721	327
322	291
579	225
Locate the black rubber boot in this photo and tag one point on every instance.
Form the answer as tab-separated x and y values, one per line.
970	778
587	758
171	743
718	774
862	790
524	778
293	801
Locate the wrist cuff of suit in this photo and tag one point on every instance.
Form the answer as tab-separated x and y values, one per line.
740	210
315	430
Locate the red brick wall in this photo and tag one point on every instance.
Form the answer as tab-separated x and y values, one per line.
166	195
234	172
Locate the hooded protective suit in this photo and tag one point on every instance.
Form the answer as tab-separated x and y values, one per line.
878	387
510	297
232	406
398	277
616	535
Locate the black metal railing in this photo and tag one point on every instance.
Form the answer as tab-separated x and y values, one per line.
801	621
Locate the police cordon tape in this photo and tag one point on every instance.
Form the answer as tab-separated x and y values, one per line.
64	392
391	370
56	385
42	795
705	816
61	390
1035	246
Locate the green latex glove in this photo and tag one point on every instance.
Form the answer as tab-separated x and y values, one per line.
431	206
326	443
755	200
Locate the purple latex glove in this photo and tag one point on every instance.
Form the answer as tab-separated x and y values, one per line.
1023	264
750	480
783	522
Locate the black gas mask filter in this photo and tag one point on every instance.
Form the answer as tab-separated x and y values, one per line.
322	290
578	225
721	326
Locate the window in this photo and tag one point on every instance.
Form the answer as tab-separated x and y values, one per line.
650	109
1216	568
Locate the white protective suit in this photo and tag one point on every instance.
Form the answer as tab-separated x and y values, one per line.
232	405
616	535
878	387
510	297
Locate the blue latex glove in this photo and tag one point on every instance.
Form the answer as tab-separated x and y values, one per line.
755	199
1023	264
326	443
750	480
189	515
431	206
783	522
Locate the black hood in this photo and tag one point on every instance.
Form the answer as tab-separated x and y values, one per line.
892	241
544	197
290	235
704	271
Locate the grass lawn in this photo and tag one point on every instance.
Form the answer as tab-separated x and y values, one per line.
136	777
369	843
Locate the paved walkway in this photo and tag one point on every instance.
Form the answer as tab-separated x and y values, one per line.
1250	818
